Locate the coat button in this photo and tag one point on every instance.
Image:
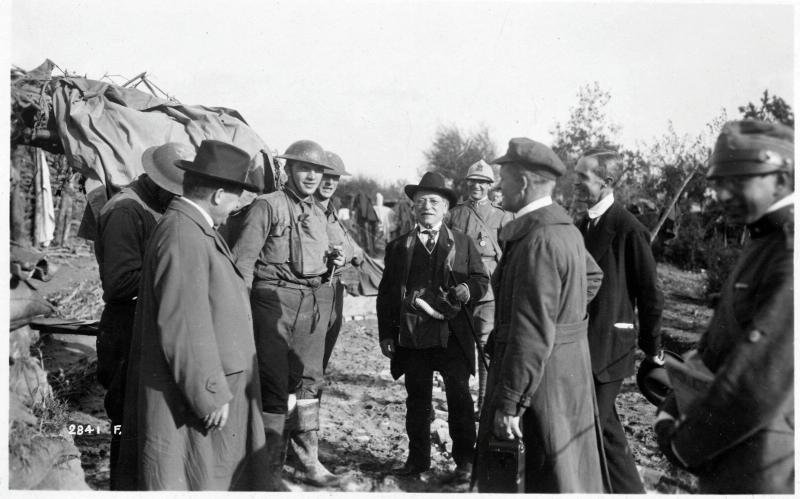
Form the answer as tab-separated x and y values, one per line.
754	335
211	386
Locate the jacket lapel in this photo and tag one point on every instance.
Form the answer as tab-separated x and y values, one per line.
190	211
599	238
408	247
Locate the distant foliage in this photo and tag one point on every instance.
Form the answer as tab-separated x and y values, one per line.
453	151
770	108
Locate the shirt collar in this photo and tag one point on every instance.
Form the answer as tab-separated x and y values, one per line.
535	205
482	202
788	200
601	207
436	227
203	212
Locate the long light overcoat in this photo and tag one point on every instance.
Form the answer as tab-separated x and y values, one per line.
192	351
540	366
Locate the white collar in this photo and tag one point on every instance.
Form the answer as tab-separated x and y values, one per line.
436	227
786	201
535	205
601	207
201	210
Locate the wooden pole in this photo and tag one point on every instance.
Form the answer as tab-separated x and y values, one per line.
672	203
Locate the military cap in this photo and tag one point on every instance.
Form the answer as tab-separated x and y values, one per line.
534	156
752	147
307	151
336	163
480	170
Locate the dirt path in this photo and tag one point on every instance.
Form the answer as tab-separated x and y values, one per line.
363	409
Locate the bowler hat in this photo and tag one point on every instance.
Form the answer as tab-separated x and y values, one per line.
159	164
221	161
432	182
307	151
480	170
653	380
336	164
752	147
534	156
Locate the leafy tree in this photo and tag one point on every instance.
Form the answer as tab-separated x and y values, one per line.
453	151
771	108
587	127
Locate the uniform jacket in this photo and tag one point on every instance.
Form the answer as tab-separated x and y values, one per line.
338	235
467	268
740	436
473	219
192	351
540	366
260	238
621	246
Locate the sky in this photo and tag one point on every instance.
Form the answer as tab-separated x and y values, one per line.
373	81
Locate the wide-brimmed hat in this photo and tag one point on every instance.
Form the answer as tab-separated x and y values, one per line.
223	162
432	182
480	170
653	381
307	151
159	164
533	156
337	164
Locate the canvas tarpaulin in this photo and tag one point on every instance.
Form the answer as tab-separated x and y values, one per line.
105	128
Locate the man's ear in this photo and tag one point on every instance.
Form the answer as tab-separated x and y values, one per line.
216	198
785	183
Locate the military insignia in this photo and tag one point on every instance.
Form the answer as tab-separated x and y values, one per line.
482	243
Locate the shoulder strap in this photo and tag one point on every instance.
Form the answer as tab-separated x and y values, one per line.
492	237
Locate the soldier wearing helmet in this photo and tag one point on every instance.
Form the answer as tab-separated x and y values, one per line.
338	236
481	220
738	436
280	242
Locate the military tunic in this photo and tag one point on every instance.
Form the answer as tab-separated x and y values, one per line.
280	242
739	437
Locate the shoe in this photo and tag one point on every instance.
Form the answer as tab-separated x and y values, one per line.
305	445
462	473
409	469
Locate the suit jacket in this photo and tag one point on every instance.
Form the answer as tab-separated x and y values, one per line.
454	247
192	351
540	366
621	246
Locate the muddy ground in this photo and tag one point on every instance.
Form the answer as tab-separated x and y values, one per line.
363	408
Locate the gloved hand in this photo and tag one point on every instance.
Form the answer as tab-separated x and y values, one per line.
459	292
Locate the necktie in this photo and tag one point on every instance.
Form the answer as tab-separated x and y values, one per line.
431	242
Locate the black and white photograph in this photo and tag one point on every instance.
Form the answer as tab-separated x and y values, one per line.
406	246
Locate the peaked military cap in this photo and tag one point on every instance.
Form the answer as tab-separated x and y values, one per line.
752	147
534	156
480	170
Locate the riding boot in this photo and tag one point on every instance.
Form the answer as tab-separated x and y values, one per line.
276	449
304	444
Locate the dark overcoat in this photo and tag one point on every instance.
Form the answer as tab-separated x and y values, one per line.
540	367
621	246
739	437
192	351
455	249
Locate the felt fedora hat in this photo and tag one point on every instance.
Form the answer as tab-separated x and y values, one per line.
432	182
653	380
221	161
336	164
159	164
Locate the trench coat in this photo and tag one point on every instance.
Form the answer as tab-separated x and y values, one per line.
457	249
621	246
739	437
192	351
540	367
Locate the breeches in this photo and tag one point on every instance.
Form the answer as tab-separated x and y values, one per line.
290	326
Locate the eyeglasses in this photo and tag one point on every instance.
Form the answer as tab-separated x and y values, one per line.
433	202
